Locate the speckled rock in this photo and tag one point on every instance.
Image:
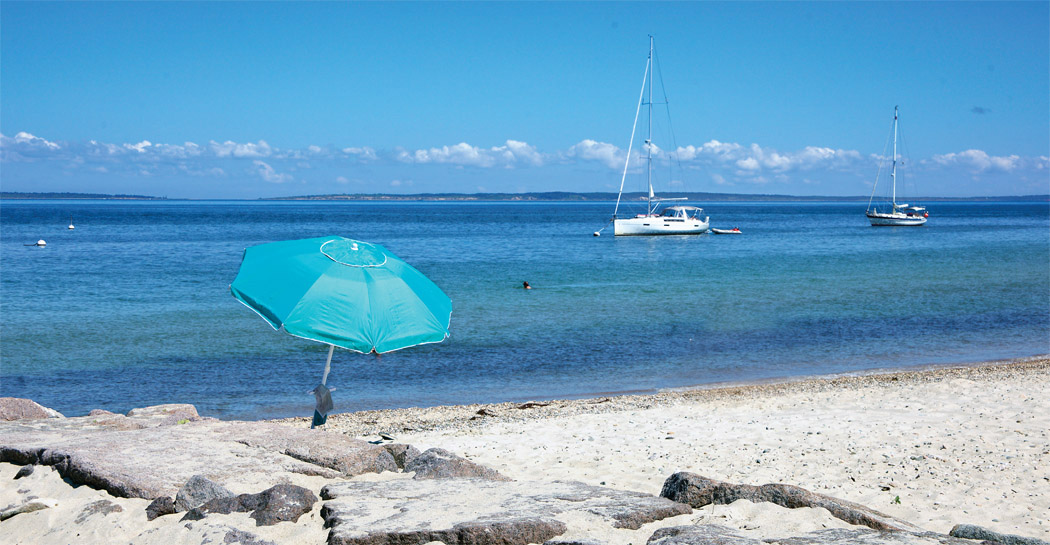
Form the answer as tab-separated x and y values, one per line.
698	491
970	531
720	535
439	463
159	507
476	511
283	502
17	408
197	491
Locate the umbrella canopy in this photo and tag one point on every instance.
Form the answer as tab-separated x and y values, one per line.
342	292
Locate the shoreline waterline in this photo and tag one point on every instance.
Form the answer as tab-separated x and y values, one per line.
371	423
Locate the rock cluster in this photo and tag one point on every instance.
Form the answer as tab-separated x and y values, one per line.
196	469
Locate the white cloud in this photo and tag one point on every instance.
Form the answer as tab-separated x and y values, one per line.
268	173
979	160
140	147
364	153
463	154
590	150
520	152
722	163
748	164
26	147
233	149
712	149
28	139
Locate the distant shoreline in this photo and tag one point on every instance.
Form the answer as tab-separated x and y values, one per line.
557	196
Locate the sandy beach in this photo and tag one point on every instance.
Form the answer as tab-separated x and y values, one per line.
956	444
934	447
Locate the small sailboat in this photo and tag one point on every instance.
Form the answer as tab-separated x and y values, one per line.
70	223
895	214
679	219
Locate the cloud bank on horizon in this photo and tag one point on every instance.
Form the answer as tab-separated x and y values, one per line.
262	170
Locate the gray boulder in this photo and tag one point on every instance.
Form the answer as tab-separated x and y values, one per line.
402	453
25	471
35	504
439	463
159	507
707	534
562	541
283	502
198	491
331	450
698	491
17	408
720	535
172	413
152	454
969	531
476	511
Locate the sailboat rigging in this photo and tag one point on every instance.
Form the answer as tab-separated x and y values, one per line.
679	219
900	214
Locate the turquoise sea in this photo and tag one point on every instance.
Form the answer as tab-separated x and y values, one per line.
132	308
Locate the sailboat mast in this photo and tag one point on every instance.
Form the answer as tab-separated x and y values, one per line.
649	139
893	174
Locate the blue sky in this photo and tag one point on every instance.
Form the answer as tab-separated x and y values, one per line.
247	100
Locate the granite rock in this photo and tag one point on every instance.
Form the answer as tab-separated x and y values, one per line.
335	451
283	502
439	463
197	491
25	471
720	535
706	534
27	507
699	491
970	531
473	511
402	453
17	408
154	452
159	507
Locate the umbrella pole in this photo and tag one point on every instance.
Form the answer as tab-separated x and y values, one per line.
327	364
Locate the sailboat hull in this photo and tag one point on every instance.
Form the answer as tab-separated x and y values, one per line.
895	220
658	225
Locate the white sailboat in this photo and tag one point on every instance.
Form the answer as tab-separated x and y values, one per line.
673	220
897	214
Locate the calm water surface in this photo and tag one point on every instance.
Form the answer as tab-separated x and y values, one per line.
132	308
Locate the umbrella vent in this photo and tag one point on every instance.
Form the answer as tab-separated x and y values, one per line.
353	253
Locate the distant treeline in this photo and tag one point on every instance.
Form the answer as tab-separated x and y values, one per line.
17	195
551	196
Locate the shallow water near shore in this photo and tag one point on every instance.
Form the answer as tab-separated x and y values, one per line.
132	308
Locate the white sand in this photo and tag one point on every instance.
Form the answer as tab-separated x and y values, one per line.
954	445
967	445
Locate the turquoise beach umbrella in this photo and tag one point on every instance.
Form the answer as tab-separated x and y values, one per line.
342	292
